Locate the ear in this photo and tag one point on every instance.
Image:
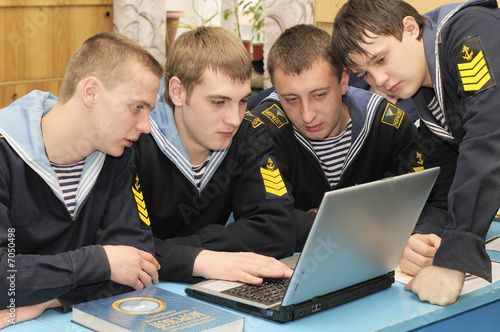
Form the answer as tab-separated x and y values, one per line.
89	87
411	26
175	90
344	80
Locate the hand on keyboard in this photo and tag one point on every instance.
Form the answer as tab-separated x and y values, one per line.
246	267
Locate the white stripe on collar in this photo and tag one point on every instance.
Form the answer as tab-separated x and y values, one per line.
359	142
438	91
181	162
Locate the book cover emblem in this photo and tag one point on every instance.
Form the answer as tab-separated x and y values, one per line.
139	305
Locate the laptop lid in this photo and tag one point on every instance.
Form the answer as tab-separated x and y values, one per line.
359	233
357	237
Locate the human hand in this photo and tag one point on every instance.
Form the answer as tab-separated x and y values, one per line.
437	285
131	266
419	253
22	314
246	267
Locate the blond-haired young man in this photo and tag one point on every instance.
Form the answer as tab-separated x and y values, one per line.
204	161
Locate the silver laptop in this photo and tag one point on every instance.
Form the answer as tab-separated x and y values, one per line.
352	250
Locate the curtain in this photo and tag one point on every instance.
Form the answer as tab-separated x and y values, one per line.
144	21
280	15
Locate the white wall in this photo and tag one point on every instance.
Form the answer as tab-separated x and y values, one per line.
279	15
205	8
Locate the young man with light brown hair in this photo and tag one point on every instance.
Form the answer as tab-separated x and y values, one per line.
204	160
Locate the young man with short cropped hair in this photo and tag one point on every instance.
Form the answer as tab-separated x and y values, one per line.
69	227
333	135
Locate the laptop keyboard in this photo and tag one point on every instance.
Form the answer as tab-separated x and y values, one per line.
271	290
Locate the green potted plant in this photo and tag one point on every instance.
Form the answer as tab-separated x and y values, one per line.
254	9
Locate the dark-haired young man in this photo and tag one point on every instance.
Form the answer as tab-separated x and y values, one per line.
448	61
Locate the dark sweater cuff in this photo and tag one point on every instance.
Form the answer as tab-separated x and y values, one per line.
465	252
176	261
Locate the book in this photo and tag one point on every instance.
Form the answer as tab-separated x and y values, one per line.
154	309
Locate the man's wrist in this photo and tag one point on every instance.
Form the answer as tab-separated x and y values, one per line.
53	304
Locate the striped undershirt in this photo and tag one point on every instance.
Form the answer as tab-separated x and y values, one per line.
442	129
437	112
332	152
69	177
199	170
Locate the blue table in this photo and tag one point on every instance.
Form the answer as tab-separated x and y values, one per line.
392	309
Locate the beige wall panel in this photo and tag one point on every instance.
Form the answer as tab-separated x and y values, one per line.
38	41
38	38
11	92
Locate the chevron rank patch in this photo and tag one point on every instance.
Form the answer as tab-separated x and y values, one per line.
393	115
276	115
472	65
139	199
253	119
274	186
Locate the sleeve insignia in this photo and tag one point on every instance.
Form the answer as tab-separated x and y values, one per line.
419	161
253	119
139	199
472	64
276	115
393	115
274	186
